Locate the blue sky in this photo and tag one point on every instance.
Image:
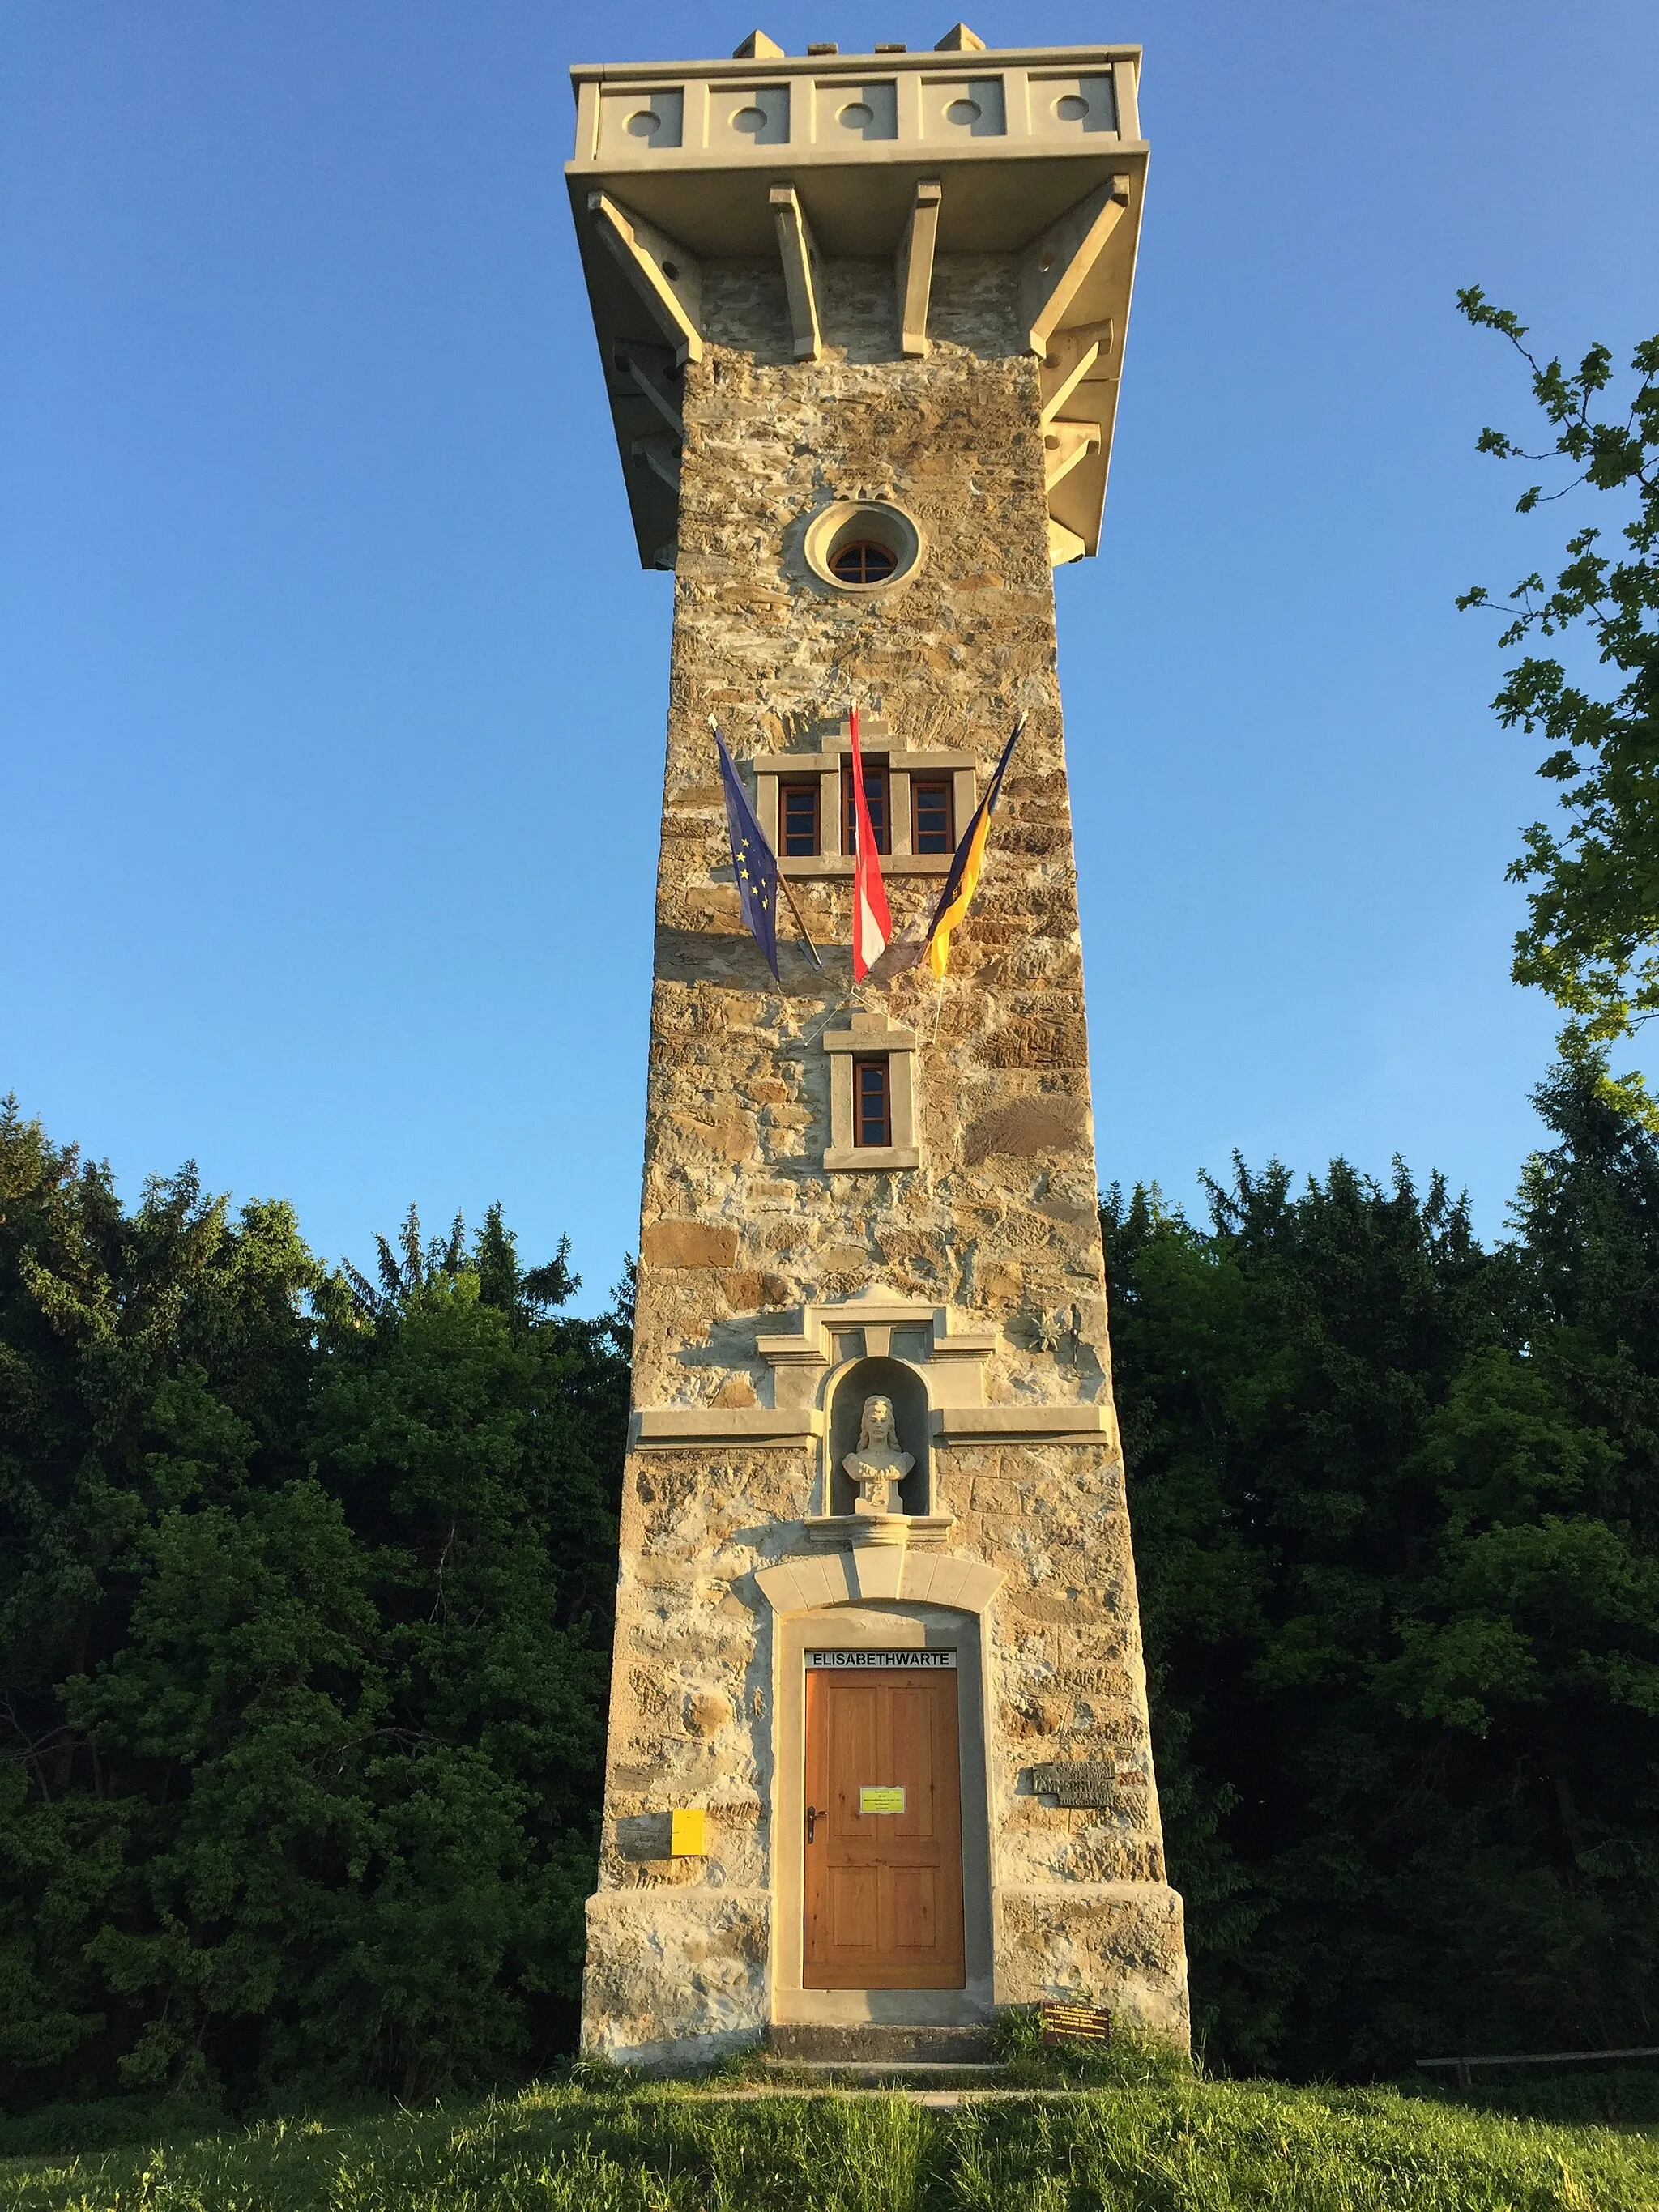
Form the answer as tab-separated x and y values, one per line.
331	696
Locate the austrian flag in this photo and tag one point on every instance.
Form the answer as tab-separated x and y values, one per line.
873	926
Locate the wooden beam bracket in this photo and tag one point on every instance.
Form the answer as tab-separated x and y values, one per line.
667	278
650	380
1054	267
1064	444
1073	356
914	268
660	453
799	256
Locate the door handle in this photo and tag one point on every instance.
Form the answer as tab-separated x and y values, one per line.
813	1816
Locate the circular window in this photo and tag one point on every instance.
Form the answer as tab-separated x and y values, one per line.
751	119
1071	109
964	113
863	562
855	115
862	545
643	122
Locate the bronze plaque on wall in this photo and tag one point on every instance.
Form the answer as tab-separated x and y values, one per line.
1075	1783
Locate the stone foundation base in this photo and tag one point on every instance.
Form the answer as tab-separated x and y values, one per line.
676	1977
1119	1944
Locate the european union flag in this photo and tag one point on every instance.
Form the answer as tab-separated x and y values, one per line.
753	862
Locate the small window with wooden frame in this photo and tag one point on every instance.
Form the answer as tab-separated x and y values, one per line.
878	799
932	814
799	811
873	1100
872	1120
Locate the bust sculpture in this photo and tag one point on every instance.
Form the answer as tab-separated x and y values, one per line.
878	1466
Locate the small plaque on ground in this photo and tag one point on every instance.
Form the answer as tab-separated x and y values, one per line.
883	1798
1078	1782
1075	2023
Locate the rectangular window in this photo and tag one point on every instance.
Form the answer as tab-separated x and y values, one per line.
875	798
872	1103
932	814
798	819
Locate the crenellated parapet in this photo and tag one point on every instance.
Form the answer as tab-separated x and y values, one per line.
792	164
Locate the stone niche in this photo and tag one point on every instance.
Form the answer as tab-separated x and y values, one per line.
877	1345
886	1378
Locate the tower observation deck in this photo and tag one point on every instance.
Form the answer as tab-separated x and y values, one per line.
1033	154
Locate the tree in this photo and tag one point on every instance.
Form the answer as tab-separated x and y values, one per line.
304	1632
1392	1496
1592	940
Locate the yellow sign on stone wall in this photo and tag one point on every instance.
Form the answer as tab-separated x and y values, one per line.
685	1839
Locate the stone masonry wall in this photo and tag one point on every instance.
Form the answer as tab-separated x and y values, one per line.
741	1225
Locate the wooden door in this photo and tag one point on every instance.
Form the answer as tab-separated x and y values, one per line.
883	1889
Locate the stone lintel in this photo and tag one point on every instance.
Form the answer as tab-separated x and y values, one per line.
922	758
1020	1424
866	1032
842	1531
668	1426
810	1346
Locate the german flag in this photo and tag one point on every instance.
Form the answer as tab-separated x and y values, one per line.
963	880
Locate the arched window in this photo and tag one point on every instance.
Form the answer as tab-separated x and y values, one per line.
863	562
884	1378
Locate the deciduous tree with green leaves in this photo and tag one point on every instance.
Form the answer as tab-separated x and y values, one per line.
1592	940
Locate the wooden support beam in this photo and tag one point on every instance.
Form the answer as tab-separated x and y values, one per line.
1063	545
660	455
1053	266
666	277
1064	444
1074	364
650	381
914	268
799	256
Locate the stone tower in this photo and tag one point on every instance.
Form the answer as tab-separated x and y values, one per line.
878	1746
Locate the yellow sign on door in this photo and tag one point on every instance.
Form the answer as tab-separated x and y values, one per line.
886	1799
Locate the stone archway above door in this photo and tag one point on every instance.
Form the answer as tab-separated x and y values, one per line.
855	1577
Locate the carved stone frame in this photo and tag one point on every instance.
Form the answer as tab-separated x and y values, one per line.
872	1035
933	1601
828	766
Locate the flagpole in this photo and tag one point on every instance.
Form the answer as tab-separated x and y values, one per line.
801	919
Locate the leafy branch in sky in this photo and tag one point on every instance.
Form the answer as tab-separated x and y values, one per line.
1592	940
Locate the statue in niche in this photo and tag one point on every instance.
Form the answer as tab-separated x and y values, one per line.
878	1466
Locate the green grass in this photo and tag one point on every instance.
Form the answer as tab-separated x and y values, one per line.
1173	2145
